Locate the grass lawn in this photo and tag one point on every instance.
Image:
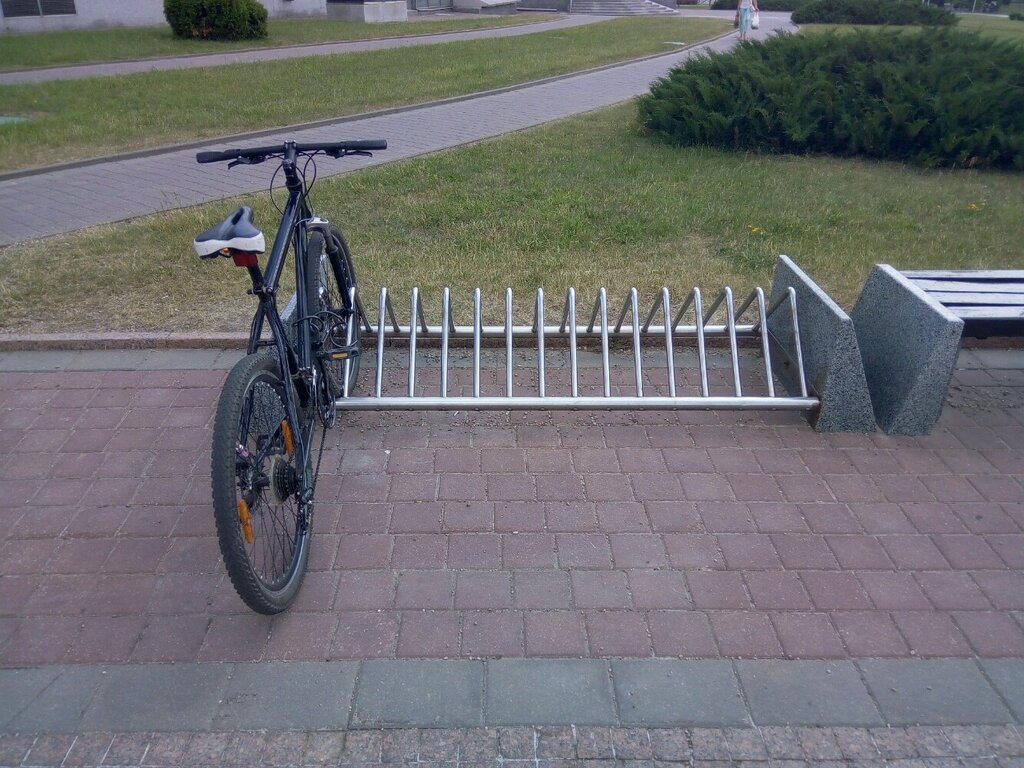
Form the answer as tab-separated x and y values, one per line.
50	49
100	116
994	26
989	26
584	202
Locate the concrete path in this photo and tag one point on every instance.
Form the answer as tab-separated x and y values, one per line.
65	200
107	69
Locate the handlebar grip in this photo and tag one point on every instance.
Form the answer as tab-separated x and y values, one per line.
216	157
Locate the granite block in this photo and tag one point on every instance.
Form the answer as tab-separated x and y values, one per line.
831	357
909	344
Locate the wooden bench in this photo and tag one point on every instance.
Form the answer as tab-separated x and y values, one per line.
990	302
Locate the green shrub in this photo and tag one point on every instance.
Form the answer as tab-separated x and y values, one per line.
1014	16
764	5
216	19
897	12
932	98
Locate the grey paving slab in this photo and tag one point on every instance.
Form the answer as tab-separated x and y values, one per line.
670	692
410	132
427	693
388	693
1006	359
549	692
108	69
806	693
36	361
933	692
59	706
158	697
20	688
287	695
110	359
1008	677
176	359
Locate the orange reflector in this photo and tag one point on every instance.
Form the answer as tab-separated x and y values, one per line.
339	356
245	520
286	433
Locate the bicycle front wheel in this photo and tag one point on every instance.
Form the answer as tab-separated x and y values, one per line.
258	476
329	275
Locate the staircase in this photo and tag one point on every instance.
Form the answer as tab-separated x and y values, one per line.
620	8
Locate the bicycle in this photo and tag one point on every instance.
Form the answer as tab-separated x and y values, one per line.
262	472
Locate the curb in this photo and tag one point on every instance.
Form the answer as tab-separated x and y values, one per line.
75	342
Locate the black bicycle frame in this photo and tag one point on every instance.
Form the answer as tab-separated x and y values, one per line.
296	360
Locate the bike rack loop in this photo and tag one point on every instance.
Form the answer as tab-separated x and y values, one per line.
629	327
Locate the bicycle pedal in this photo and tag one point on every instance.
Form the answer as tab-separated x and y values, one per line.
340	353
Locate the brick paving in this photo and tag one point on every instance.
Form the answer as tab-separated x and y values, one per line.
698	535
554	747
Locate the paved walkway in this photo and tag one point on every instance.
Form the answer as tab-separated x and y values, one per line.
77	72
647	574
65	200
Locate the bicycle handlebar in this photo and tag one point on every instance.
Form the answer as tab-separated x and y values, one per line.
261	153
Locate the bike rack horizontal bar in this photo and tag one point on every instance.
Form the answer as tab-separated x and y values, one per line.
629	326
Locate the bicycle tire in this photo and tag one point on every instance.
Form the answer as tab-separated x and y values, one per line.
329	274
265	545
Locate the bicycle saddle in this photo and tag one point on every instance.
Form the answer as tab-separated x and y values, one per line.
236	232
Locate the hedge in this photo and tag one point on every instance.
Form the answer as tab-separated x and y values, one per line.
764	5
895	12
936	98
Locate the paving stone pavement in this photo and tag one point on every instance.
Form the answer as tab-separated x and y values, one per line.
554	747
696	579
79	197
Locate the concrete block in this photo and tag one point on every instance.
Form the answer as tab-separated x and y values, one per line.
678	693
933	692
410	693
831	357
379	11
60	705
1007	675
157	697
294	695
909	344
494	7
21	687
806	693
549	692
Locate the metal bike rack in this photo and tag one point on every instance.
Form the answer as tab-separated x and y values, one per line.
722	323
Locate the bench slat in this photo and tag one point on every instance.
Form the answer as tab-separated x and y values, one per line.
989	301
989	313
979	299
969	274
953	286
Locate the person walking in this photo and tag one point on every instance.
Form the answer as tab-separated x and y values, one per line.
745	10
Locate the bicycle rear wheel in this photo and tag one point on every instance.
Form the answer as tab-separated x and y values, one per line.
329	276
258	475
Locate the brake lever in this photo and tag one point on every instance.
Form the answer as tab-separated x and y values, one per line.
337	153
246	161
